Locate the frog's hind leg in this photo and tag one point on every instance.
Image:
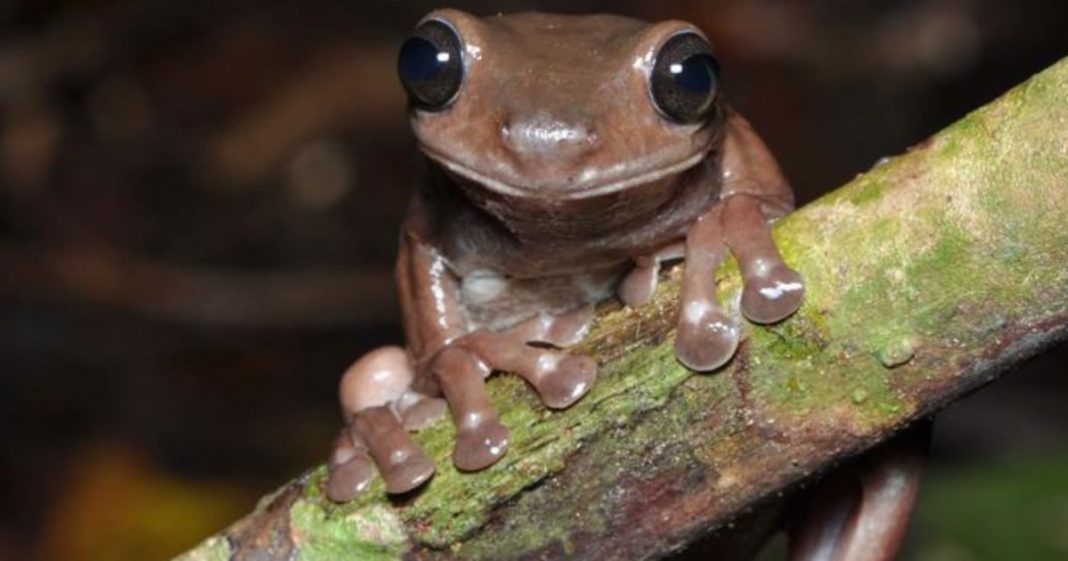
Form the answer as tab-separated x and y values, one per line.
706	337
861	512
772	290
370	390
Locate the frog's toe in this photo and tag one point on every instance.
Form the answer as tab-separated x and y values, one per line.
567	380
569	328
400	461
408	472
480	446
638	286
350	479
706	338
423	411
560	330
351	471
773	296
559	378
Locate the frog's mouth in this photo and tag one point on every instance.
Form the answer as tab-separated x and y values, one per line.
583	188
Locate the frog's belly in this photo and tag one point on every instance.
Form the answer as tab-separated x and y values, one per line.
497	302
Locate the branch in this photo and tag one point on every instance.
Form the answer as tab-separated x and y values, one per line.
926	277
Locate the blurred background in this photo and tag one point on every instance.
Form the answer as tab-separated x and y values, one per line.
199	202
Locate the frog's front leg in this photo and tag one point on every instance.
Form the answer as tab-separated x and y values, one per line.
559	378
706	336
771	290
386	391
753	193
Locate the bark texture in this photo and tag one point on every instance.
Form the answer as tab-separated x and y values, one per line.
927	276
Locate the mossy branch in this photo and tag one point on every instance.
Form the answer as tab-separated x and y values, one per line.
926	277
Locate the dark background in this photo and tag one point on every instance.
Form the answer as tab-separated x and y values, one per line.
198	211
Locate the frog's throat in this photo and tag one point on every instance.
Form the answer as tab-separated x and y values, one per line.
575	193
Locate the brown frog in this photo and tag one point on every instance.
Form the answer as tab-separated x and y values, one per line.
570	156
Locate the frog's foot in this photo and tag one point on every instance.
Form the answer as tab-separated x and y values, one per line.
706	337
772	290
560	378
372	391
461	368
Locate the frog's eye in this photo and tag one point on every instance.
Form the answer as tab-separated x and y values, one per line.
430	66
684	81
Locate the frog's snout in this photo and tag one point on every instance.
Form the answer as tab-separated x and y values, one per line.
545	133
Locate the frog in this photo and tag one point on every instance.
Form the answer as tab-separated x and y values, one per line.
569	159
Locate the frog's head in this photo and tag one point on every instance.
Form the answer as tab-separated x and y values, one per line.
547	112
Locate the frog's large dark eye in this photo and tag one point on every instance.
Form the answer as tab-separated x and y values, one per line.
685	79
430	66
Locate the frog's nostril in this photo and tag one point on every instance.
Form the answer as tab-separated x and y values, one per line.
543	133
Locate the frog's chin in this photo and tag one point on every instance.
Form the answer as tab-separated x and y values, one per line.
579	190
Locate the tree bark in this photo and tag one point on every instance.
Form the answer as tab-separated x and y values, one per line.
927	276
